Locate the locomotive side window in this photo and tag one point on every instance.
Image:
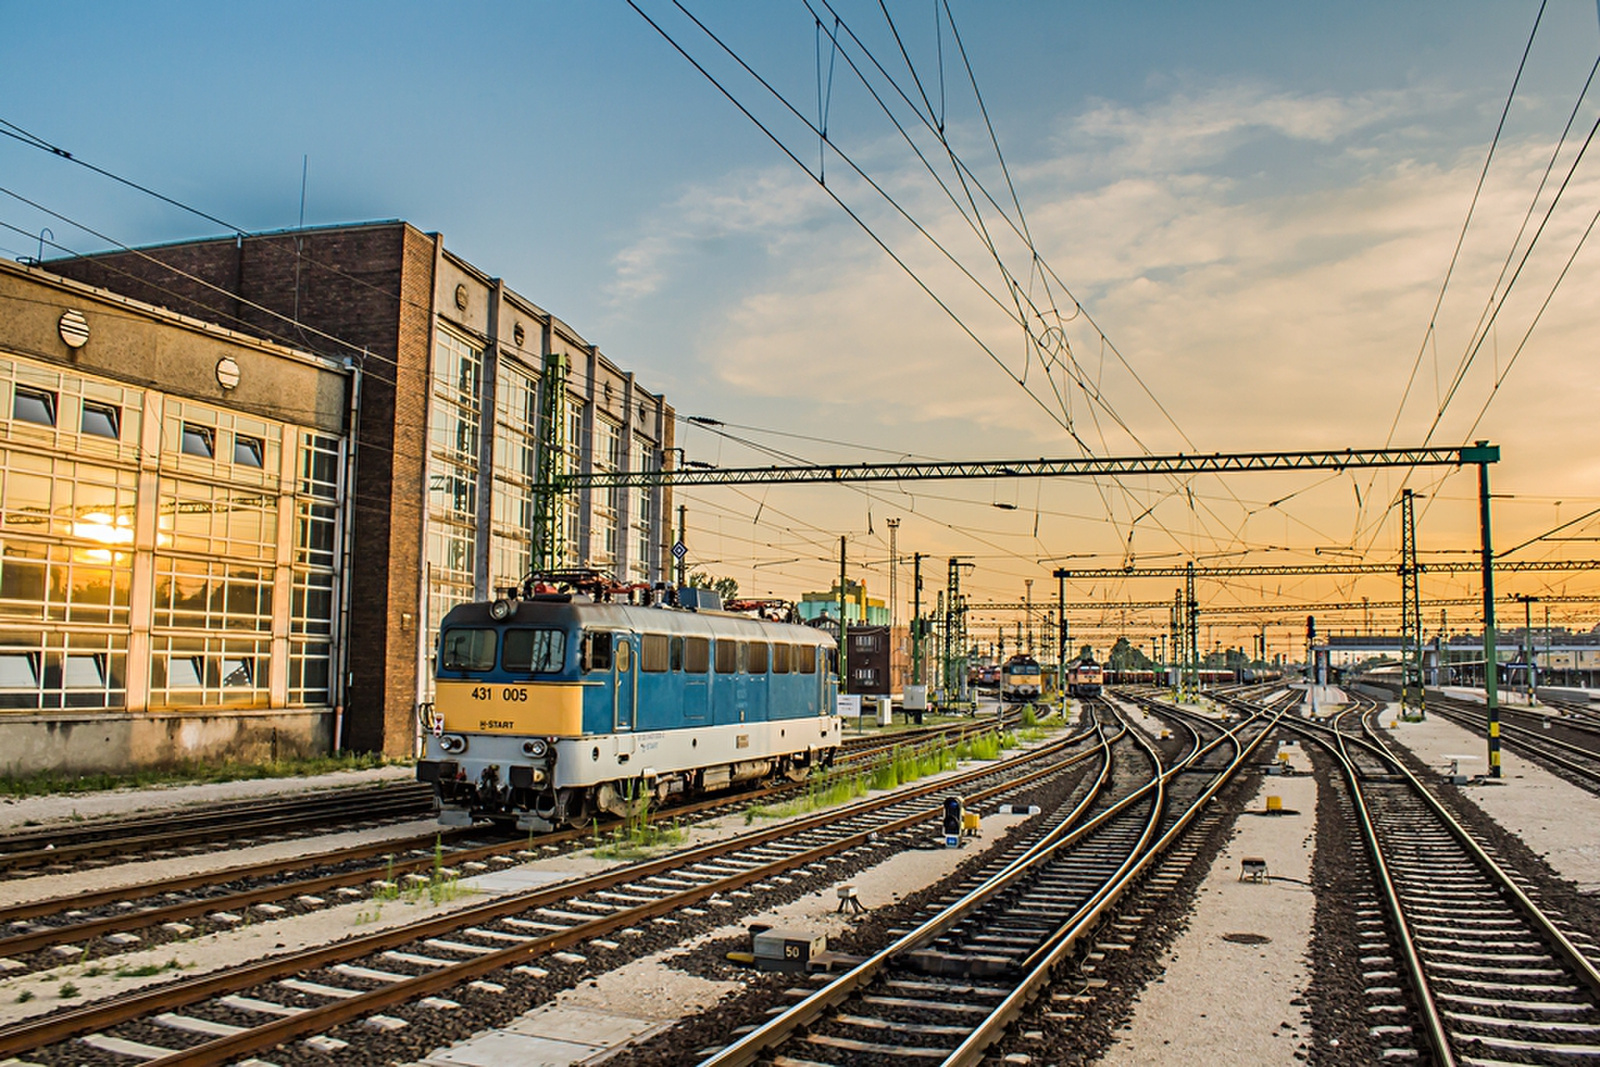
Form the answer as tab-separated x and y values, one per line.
756	661
655	653
597	651
780	659
624	655
535	651
696	655
727	657
467	650
805	659
675	657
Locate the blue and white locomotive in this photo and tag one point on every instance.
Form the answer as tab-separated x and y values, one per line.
553	707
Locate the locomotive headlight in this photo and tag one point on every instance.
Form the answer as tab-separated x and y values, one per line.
453	743
500	610
538	748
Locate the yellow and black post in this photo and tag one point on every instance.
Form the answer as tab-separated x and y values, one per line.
1483	453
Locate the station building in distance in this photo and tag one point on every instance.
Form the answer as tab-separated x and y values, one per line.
434	450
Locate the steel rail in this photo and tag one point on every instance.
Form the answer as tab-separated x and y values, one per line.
1580	963
36	939
29	1034
778	1029
1040	970
222	815
226	1049
371	810
1437	1035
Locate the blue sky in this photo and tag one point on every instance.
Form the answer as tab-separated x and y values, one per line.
1256	202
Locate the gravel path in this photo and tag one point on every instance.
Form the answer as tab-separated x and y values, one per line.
1232	986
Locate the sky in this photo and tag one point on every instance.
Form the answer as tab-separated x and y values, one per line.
1219	227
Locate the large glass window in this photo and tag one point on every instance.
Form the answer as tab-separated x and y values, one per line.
516	441
209	670
453	472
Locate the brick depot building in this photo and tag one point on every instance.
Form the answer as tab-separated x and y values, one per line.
445	365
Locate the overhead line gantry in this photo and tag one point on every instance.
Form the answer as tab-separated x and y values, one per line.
1480	455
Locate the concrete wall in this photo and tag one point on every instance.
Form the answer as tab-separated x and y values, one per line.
71	743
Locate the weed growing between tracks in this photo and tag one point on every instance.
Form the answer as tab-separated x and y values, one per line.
439	886
637	838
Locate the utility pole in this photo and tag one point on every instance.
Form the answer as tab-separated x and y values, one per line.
1179	643
683	530
894	592
1028	612
1194	637
1311	662
844	676
1482	453
917	676
1060	575
553	470
894	577
1411	693
1527	603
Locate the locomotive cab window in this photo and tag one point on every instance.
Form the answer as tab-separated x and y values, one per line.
597	651
805	659
696	655
535	651
467	650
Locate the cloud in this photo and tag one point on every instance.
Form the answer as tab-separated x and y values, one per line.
1262	313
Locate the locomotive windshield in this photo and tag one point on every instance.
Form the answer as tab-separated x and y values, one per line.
535	651
467	650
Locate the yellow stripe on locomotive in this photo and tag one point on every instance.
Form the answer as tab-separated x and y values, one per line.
545	709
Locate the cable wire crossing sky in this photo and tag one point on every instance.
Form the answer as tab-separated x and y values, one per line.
936	232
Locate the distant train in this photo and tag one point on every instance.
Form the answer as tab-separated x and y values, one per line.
1021	679
1084	678
557	705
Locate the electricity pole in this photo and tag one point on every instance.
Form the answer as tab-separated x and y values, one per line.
1061	636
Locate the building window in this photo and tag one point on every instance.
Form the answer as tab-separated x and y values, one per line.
101	420
34	405
185	672
84	672
19	670
237	673
248	451
199	441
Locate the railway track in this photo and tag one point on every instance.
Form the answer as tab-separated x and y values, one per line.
227	1014
1570	750
189	832
41	934
947	991
1461	963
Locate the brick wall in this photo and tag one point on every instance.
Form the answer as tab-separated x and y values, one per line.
369	287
